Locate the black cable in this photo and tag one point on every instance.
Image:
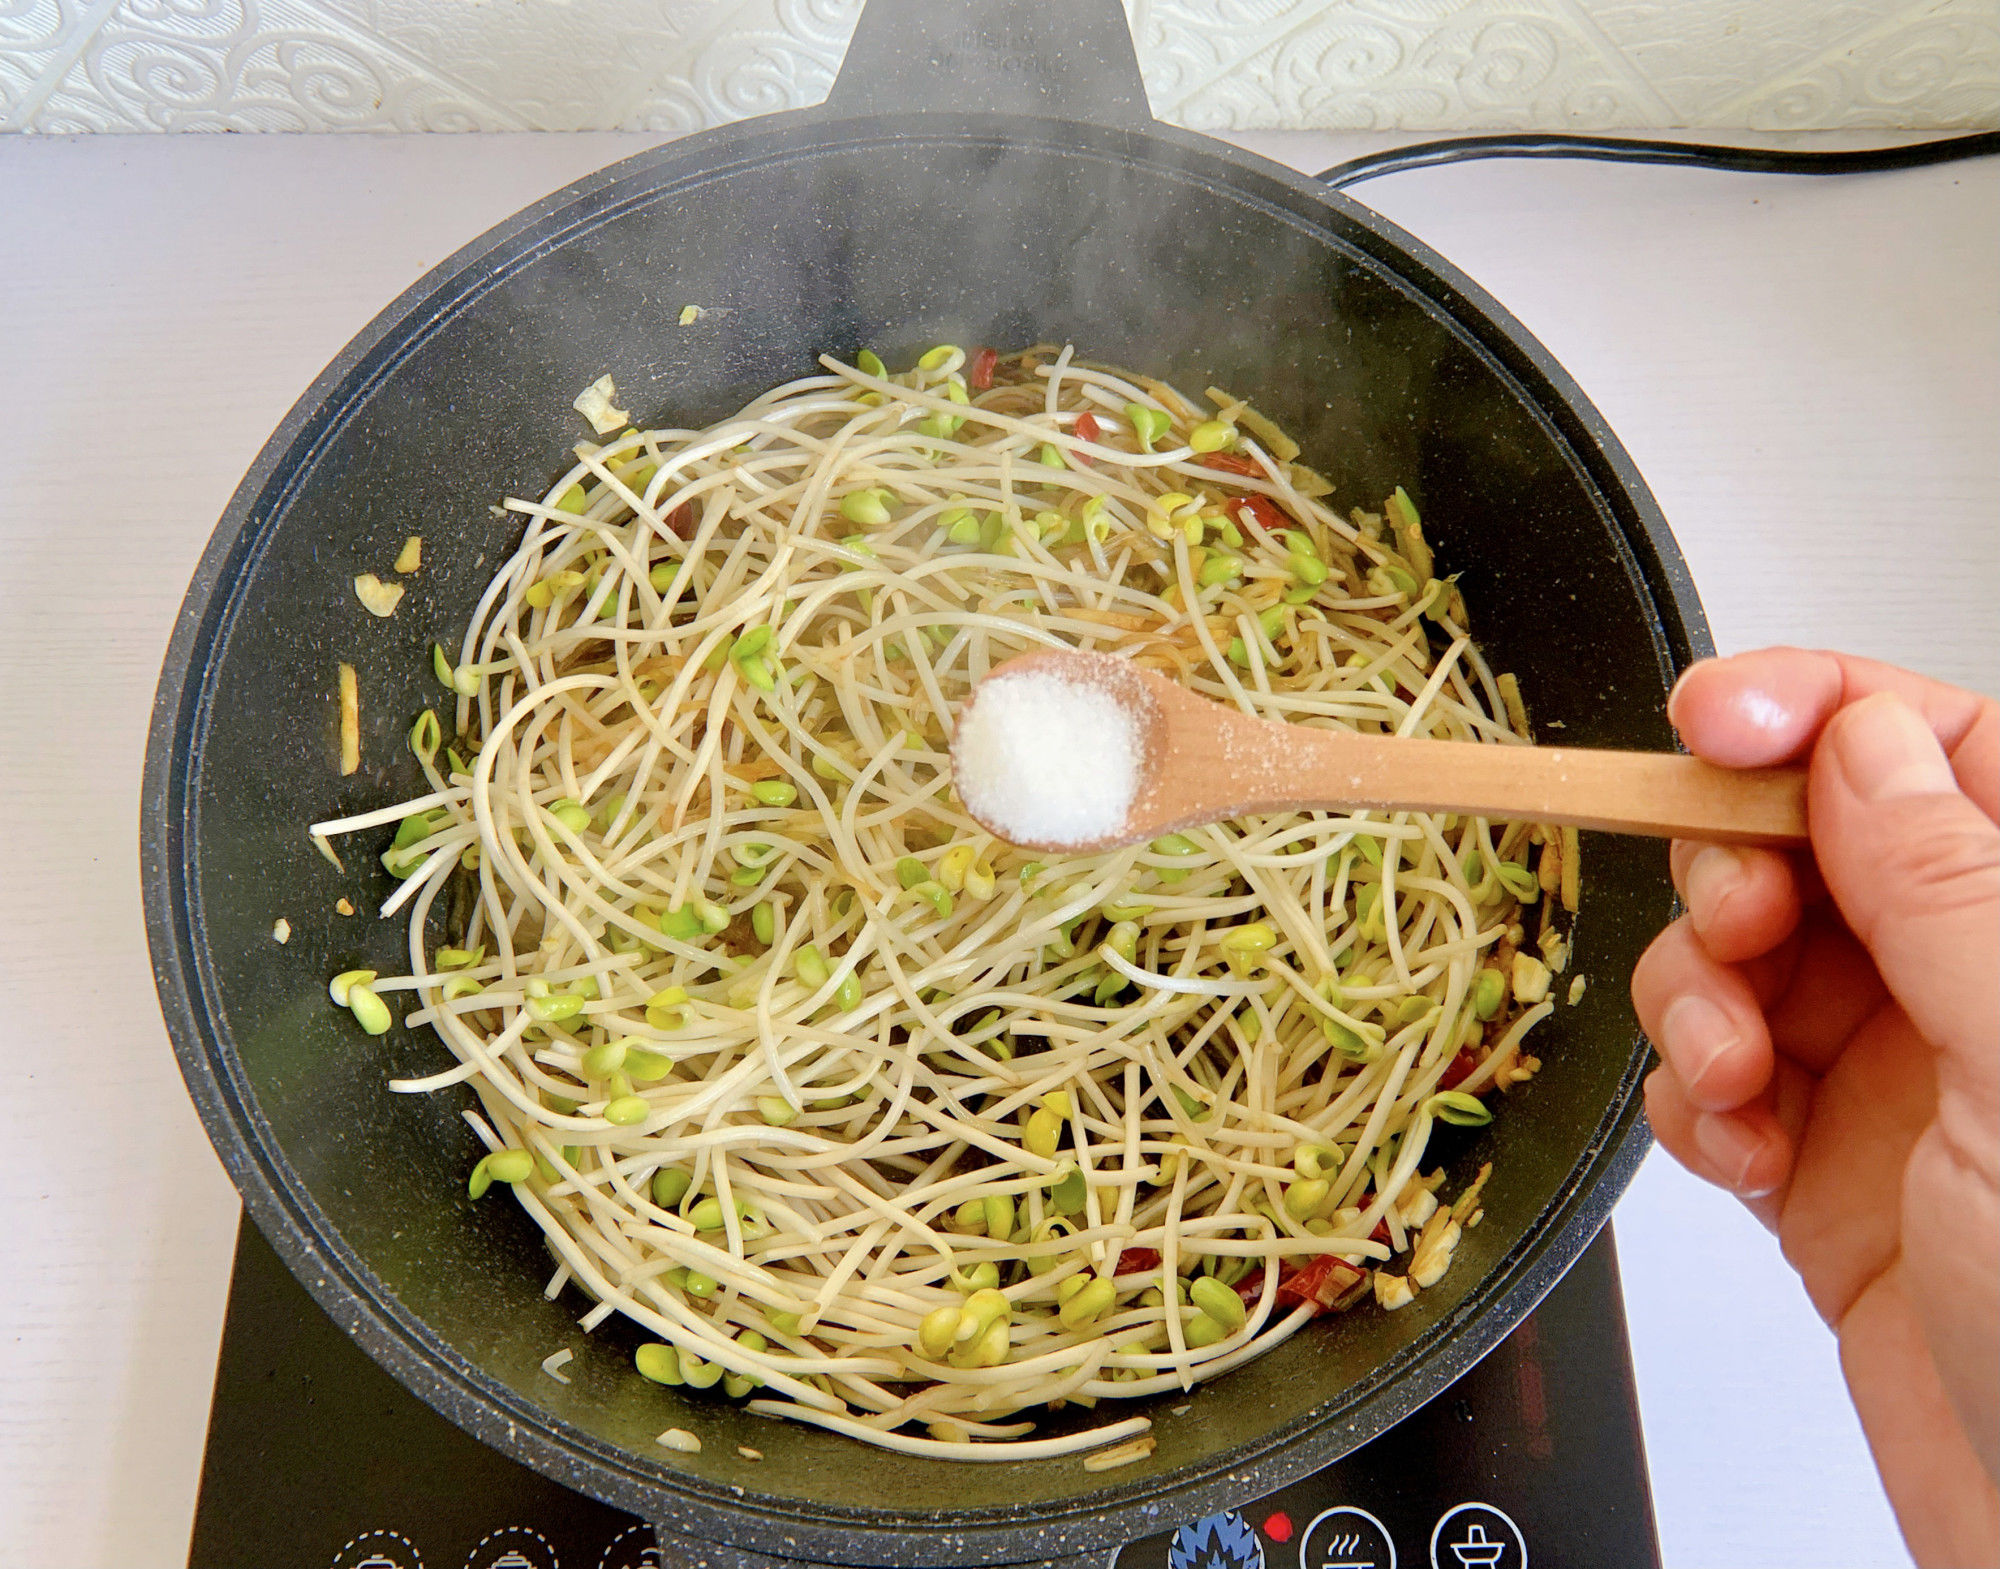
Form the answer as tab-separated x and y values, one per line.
1698	155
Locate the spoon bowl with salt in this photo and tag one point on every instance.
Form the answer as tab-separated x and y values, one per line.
1075	752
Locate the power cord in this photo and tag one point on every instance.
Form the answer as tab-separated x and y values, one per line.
1698	155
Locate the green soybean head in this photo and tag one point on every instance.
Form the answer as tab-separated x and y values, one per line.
1086	1305
659	1363
670	1185
1218	1301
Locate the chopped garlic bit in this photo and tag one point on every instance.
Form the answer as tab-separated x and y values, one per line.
1392	1291
748	1453
350	720
679	1438
1417	1204
595	404
1121	1454
411	556
1576	991
344	905
1531	979
281	931
1555	950
1435	1246
553	1363
690	314
377	598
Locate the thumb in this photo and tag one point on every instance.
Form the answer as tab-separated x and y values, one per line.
1914	866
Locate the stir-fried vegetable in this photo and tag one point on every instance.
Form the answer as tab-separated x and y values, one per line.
857	1111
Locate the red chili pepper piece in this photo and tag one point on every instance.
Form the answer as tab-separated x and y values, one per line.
1137	1261
1232	463
1381	1231
980	377
1260	513
1086	430
681	520
1458	1070
1320	1283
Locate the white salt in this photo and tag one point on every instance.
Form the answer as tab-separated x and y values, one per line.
1043	759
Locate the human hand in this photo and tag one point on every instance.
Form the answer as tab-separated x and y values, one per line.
1829	1028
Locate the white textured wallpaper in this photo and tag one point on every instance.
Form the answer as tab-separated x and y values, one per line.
679	65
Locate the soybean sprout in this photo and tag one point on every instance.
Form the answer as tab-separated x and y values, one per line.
899	1129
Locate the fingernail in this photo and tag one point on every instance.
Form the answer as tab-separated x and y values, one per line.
1731	1149
1680	686
1887	751
1694	1035
1713	875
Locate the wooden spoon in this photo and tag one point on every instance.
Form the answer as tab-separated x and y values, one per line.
1201	762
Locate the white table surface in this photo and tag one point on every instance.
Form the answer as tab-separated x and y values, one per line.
1805	370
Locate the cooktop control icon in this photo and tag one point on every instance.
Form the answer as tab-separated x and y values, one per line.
1346	1537
1477	1536
632	1548
1224	1541
513	1547
378	1550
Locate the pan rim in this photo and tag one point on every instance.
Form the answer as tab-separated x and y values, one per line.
337	1276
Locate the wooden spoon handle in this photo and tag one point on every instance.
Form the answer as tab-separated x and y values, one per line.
1658	793
1664	794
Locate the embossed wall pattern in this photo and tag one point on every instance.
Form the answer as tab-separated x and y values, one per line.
1216	65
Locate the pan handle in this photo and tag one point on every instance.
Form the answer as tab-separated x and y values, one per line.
1056	59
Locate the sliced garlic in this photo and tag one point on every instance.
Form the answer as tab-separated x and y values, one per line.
1531	979
1393	1291
377	598
1432	1255
1416	1204
595	404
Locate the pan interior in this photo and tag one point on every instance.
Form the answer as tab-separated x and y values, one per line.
1142	252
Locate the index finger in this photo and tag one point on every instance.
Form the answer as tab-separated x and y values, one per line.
1761	709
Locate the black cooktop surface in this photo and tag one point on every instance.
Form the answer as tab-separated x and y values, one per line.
317	1459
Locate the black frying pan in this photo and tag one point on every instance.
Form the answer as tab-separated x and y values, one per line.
893	217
